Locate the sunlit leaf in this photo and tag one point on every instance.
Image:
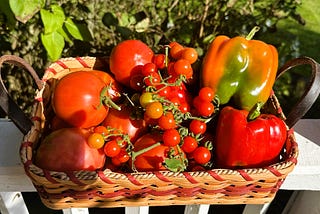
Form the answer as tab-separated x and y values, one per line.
73	29
25	9
52	20
54	44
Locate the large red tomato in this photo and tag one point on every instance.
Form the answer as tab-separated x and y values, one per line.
123	121
67	150
77	99
126	57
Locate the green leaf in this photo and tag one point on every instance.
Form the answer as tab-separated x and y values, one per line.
52	20
73	29
25	9
54	44
175	164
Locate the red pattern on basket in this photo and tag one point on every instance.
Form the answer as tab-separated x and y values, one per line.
215	175
49	177
273	171
64	66
245	175
104	178
52	70
74	179
179	192
190	178
132	179
161	177
82	62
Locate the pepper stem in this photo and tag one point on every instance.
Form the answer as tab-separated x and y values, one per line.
255	111
252	32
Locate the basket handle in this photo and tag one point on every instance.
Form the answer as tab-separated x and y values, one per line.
312	90
7	104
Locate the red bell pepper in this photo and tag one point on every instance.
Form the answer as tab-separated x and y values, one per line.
244	144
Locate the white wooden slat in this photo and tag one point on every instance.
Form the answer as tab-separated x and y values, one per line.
12	175
12	203
256	208
137	210
197	209
306	174
76	211
304	202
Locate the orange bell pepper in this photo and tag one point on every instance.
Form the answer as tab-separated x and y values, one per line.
240	70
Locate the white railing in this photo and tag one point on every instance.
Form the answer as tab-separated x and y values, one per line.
305	178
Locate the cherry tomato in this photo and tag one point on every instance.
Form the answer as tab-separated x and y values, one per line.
189	144
76	99
166	121
136	82
146	98
154	110
159	60
163	91
126	56
206	94
203	108
121	158
96	140
201	155
183	67
184	107
101	130
149	68
197	126
175	50
152	79
111	148
171	137
189	54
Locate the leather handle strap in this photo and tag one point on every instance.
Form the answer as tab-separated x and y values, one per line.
312	90
7	104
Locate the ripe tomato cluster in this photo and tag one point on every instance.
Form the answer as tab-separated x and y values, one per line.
150	118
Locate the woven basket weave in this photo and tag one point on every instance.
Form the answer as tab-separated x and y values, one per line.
59	190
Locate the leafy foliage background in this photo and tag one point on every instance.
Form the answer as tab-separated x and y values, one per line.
103	24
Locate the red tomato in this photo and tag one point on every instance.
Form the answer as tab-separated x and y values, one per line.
114	92
122	121
76	99
201	155
153	159
67	150
126	56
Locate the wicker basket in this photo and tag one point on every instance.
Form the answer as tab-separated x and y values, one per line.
104	188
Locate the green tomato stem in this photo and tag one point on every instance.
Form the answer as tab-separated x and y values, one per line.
137	153
106	100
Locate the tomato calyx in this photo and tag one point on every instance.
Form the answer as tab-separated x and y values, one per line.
106	100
